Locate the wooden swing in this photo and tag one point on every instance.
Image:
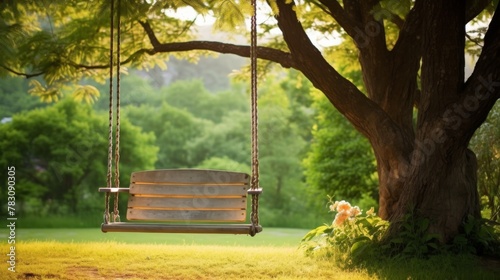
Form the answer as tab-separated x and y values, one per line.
190	200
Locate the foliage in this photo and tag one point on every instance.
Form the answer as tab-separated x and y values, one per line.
478	237
210	106
13	93
60	157
350	238
229	138
354	239
134	90
224	163
214	71
340	161
413	240
487	148
173	129
64	41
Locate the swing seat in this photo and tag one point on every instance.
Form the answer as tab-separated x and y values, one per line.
185	198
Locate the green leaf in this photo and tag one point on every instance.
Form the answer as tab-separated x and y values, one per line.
359	247
397	240
86	93
423	225
315	232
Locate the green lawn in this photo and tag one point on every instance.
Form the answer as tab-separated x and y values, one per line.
76	254
268	237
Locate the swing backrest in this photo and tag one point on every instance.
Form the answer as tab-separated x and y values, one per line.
183	195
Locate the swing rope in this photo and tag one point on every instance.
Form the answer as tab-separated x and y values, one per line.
116	214
109	177
255	190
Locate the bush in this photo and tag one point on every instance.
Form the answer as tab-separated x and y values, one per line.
350	238
353	238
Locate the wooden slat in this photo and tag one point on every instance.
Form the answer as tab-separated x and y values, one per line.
188	190
172	228
185	215
187	203
189	176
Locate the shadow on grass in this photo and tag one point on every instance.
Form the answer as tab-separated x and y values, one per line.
436	267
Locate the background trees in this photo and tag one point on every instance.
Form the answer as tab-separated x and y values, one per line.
60	157
486	145
340	162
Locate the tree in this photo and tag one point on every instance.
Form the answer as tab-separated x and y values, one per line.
412	63
208	105
13	93
60	153
173	128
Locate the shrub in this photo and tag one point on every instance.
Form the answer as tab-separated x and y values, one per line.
351	237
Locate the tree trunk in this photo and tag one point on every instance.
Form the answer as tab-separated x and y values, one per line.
438	184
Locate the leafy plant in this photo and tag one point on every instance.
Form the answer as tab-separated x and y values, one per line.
413	240
350	238
478	236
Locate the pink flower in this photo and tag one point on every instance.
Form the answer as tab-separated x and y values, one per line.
340	218
333	207
355	211
343	206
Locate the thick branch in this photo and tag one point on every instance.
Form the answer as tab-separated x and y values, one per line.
280	57
482	89
342	18
397	20
410	33
364	114
474	8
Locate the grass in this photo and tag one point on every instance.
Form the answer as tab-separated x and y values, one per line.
273	254
111	260
269	237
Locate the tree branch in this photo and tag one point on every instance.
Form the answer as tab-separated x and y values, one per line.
482	89
363	113
106	66
397	20
342	18
26	75
409	34
280	57
474	8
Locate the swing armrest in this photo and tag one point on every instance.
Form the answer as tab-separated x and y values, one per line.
114	190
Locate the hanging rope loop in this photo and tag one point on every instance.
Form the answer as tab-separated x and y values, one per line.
109	177
255	189
116	213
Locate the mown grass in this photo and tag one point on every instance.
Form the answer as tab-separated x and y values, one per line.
273	254
269	237
111	260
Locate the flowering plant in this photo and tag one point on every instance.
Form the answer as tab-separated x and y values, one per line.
350	236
